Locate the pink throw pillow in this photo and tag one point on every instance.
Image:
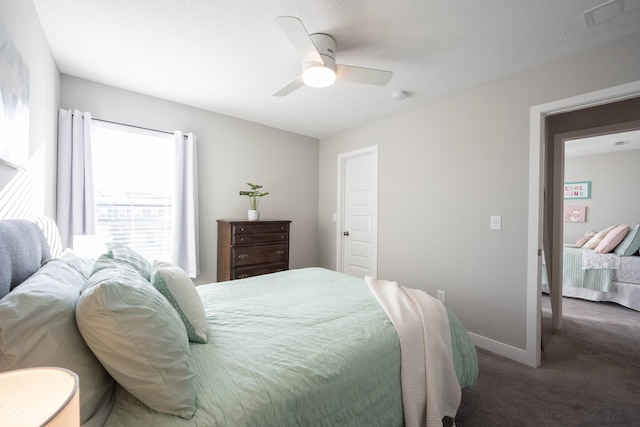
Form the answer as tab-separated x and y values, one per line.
595	240
612	239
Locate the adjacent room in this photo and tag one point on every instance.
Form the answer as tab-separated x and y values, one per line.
318	213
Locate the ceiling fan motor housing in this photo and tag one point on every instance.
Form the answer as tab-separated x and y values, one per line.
326	46
328	62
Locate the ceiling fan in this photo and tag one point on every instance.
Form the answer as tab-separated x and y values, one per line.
319	68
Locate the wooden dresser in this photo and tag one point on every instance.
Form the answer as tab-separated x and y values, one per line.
251	248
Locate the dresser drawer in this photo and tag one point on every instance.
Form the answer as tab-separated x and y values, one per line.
247	239
259	254
244	272
259	228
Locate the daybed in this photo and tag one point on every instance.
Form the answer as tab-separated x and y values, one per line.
301	347
598	271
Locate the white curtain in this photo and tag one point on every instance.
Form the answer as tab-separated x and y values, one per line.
76	208
184	241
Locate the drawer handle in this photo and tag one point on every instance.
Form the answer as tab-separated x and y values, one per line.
243	256
281	237
280	252
243	276
241	228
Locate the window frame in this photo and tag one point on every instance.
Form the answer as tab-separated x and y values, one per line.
129	215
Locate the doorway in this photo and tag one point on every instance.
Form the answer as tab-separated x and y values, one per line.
545	227
600	156
357	216
617	116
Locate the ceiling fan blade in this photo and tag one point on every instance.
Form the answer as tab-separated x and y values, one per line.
290	87
362	75
299	37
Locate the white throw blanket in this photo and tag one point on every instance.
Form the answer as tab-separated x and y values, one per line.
590	260
430	389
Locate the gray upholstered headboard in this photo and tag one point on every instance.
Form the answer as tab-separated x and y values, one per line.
23	249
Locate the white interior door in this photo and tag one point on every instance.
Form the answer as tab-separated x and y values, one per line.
358	212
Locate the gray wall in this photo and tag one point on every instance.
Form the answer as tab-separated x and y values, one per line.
446	167
21	22
231	152
615	189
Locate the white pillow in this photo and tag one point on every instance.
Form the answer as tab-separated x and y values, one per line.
595	240
176	285
584	239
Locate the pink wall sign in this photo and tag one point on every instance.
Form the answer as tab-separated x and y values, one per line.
575	214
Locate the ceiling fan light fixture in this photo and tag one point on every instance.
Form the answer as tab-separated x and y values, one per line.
318	75
318	53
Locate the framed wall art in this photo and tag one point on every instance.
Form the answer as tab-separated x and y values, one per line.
577	190
575	214
14	110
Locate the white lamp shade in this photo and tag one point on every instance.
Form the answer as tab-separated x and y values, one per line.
39	397
90	245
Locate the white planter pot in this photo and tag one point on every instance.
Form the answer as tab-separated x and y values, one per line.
253	215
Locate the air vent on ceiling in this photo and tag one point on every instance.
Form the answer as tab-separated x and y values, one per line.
609	10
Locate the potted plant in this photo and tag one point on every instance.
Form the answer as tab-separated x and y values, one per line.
254	198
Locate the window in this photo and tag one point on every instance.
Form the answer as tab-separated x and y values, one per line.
133	173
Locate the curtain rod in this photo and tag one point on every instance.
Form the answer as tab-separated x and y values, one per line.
133	126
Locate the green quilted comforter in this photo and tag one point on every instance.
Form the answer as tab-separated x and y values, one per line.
308	347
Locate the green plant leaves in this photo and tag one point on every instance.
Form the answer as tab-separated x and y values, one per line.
254	195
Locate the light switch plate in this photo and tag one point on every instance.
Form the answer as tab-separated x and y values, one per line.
496	222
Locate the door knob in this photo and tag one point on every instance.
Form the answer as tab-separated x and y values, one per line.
346	233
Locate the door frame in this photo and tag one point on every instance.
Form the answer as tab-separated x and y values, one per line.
537	137
342	160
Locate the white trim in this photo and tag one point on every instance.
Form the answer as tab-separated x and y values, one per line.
342	158
538	114
500	348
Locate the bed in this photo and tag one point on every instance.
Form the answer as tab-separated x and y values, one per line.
300	347
599	277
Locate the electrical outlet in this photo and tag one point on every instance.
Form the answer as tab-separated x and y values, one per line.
441	296
496	222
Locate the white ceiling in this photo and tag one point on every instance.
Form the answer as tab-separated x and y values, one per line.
609	143
229	56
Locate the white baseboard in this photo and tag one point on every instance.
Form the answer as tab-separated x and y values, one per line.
502	349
